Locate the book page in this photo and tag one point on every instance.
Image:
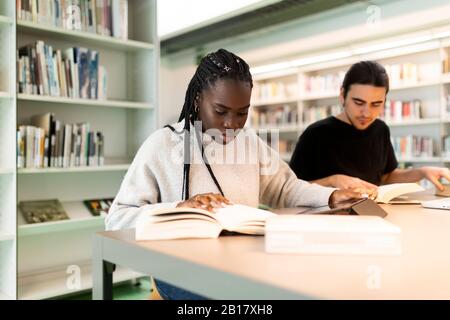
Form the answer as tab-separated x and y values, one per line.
390	191
243	219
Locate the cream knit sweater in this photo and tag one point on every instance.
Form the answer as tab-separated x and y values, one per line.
155	178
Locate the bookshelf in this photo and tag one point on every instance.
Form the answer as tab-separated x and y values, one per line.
8	243
126	118
84	102
311	91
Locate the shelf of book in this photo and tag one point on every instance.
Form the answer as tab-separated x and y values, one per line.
84	102
53	283
415	84
413	122
6	236
80	218
125	115
419	159
83	37
280	129
274	101
111	167
318	96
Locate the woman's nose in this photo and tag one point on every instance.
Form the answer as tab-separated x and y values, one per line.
231	123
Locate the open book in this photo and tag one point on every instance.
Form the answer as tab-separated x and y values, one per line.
388	192
178	223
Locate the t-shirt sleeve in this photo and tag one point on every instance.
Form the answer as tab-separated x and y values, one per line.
302	157
391	163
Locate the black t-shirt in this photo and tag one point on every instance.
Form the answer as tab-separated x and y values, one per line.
331	146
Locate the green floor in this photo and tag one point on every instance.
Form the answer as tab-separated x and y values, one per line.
124	291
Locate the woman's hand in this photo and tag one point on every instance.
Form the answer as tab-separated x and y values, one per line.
357	185
206	201
344	195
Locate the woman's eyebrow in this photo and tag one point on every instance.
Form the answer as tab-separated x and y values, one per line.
225	107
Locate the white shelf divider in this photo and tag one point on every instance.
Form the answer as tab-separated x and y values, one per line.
273	102
111	167
420	159
4	296
6	237
50	284
5	20
5	95
85	102
85	37
414	122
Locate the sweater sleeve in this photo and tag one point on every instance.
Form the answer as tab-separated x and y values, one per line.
138	193
280	187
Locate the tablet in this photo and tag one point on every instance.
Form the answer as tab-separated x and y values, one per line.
363	207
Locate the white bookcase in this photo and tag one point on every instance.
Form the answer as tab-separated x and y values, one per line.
286	90
8	154
126	118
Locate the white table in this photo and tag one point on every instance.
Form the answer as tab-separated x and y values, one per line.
236	267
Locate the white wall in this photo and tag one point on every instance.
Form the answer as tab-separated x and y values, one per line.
344	26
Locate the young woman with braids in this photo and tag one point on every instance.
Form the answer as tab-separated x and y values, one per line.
217	100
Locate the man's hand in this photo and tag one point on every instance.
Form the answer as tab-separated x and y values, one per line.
206	201
434	174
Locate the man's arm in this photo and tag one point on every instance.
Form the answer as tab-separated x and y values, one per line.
416	174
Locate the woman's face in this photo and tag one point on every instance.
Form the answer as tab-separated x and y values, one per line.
224	106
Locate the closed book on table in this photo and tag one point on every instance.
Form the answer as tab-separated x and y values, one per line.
332	235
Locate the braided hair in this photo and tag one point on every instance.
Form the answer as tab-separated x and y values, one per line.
218	65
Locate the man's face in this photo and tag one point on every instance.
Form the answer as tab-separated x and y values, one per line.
363	104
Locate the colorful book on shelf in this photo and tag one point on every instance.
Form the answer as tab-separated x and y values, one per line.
178	223
73	73
98	207
43	211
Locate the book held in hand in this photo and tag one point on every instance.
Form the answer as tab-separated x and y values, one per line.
390	193
43	211
179	223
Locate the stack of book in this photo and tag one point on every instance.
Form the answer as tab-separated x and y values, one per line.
74	73
315	113
332	235
104	17
397	111
413	146
275	117
48	143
